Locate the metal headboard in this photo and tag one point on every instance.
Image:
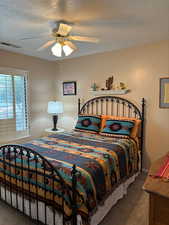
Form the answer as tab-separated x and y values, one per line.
115	106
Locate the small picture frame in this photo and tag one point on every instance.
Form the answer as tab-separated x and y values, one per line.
69	88
164	92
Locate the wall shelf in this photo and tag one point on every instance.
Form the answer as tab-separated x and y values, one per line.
110	92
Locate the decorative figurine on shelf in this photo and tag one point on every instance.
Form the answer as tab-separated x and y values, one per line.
94	87
109	83
122	86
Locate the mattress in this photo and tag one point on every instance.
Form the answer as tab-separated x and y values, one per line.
103	163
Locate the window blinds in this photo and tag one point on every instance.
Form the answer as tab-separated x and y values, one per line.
13	105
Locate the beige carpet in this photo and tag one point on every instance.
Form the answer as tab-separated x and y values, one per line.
131	210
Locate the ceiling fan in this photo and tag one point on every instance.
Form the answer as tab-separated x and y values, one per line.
62	40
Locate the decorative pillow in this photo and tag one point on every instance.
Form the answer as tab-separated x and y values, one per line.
120	127
134	130
88	123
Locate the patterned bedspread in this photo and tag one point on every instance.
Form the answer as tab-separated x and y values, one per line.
102	163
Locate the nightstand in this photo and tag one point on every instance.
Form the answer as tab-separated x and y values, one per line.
158	196
49	130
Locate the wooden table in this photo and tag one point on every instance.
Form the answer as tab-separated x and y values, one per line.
158	197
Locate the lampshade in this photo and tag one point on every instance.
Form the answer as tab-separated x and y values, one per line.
57	50
58	47
55	107
67	50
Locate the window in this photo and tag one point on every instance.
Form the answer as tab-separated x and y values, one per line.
13	104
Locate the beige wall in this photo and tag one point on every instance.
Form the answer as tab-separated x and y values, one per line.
140	68
41	78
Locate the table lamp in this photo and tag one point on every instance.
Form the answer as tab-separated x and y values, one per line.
55	108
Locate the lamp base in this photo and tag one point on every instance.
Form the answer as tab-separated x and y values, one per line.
55	119
55	129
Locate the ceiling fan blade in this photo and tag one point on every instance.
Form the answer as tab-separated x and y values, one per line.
70	44
86	39
36	37
64	29
46	45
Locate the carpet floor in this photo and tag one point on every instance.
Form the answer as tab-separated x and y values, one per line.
131	210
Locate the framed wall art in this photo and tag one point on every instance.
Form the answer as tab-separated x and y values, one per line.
164	92
69	88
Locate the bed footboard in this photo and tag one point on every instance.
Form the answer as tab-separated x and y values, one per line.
26	173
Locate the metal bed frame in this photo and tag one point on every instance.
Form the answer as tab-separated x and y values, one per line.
109	105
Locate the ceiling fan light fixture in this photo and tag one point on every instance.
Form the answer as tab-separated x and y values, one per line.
57	50
67	50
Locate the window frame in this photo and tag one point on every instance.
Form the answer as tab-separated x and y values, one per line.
25	74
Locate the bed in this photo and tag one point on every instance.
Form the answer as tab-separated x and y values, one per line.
75	177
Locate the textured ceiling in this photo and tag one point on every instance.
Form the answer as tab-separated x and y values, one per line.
117	23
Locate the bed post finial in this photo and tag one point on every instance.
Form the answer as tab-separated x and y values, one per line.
78	105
